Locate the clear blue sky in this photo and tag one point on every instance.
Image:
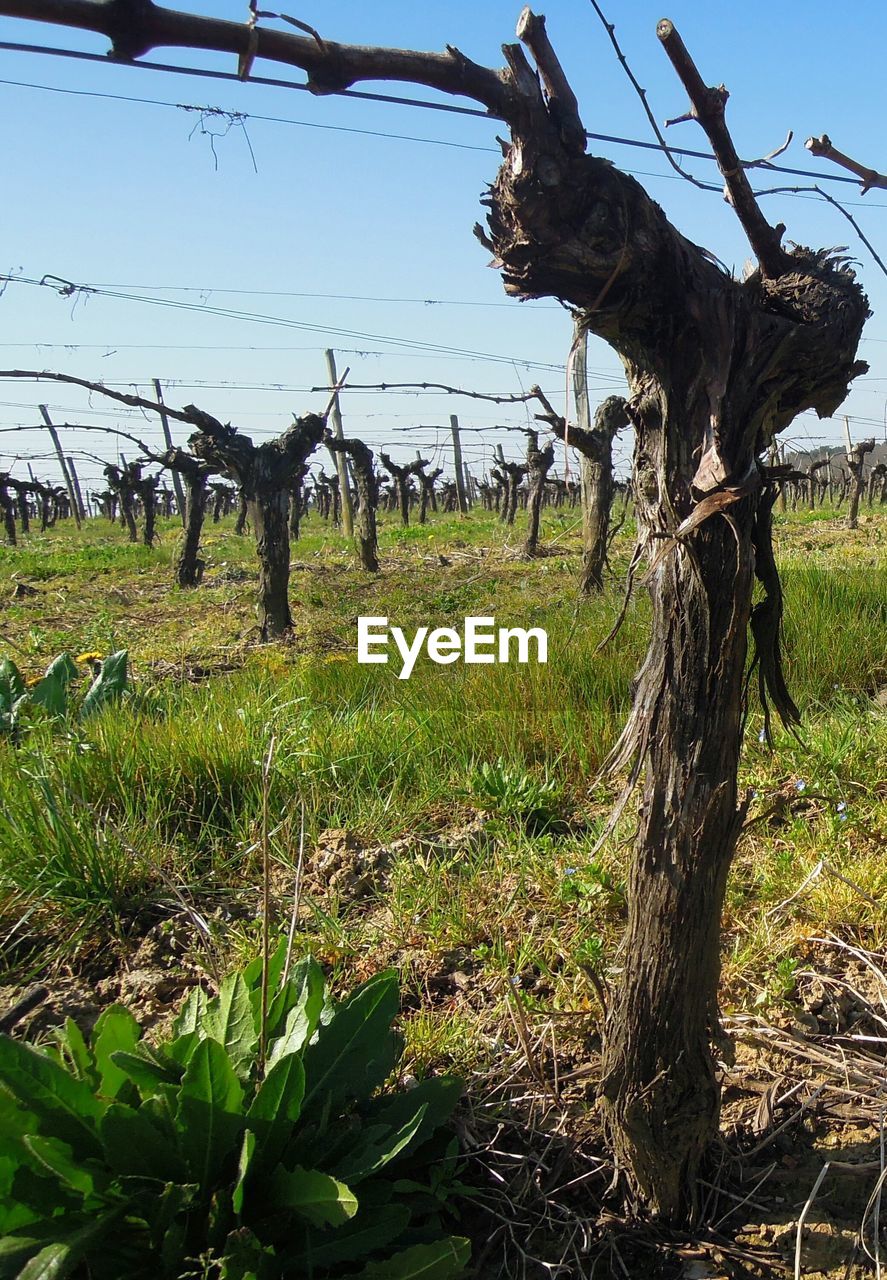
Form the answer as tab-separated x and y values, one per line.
128	195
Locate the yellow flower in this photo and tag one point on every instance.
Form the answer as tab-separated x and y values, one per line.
90	657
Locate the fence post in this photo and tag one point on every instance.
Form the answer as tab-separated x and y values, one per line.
176	478
66	475
341	460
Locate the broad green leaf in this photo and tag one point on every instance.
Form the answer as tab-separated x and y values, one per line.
51	692
300	1001
51	1263
147	1068
134	1147
74	1047
220	1218
285	995
276	1108
181	1050
62	668
12	684
366	1233
229	1020
19	1218
65	1107
8	1166
15	1252
252	974
64	1255
378	1146
190	1017
160	1110
109	684
210	1111
15	1122
356	1051
58	1159
167	1224
438	1095
247	1152
244	1257
442	1261
40	1196
323	1200
115	1031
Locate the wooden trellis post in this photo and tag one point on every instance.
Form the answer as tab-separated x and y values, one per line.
66	475
458	466
341	461
176	478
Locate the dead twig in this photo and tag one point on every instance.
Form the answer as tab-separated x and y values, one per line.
266	898
802	1219
297	897
33	997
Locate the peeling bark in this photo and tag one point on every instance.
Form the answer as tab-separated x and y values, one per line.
706	539
512	475
296	501
240	522
7	506
368	496
539	463
595	448
856	462
22	489
426	487
812	481
264	473
188	567
122	481
147	491
401	478
716	367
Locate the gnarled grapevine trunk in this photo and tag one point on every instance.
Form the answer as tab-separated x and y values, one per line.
716	368
513	474
147	491
426	487
268	508
812	481
297	498
702	414
265	474
401	478
659	1091
22	489
595	447
856	463
539	463
240	522
7	507
121	480
596	478
188	565
368	496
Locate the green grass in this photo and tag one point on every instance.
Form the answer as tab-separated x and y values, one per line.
167	788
